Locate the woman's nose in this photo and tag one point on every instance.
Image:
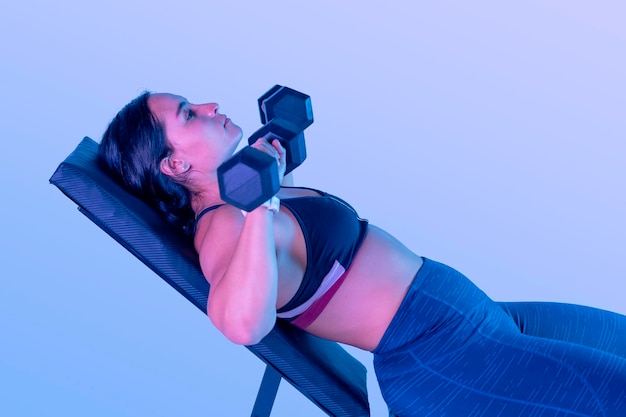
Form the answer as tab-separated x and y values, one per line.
211	108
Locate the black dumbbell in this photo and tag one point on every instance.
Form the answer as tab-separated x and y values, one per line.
250	177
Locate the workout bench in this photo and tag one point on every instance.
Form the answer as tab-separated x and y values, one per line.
321	370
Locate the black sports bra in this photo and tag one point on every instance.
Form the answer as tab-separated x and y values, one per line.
333	233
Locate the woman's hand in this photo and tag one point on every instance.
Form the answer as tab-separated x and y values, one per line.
276	150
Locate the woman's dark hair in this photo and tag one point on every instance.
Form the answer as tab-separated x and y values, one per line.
131	149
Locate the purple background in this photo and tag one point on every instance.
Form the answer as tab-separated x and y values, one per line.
488	136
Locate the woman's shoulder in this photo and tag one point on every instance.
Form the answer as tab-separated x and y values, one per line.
216	236
217	219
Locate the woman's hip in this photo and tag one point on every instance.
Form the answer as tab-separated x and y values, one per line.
441	309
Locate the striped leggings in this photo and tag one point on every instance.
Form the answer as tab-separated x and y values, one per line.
450	351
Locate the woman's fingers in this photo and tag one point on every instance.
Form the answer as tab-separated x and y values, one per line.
274	149
282	154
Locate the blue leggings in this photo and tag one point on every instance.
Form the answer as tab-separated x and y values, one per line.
450	351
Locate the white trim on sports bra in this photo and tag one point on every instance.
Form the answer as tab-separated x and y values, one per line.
329	280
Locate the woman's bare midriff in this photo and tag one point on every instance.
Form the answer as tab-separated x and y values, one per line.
374	287
377	281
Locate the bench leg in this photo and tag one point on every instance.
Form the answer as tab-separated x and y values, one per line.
267	393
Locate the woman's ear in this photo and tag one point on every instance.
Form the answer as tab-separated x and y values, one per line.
173	167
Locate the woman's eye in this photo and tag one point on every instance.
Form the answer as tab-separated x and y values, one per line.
190	114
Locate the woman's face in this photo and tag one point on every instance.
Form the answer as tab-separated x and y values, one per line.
197	133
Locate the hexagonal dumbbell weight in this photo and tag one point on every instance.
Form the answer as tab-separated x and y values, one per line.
287	104
250	177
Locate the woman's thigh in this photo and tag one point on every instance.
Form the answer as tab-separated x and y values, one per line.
592	327
500	375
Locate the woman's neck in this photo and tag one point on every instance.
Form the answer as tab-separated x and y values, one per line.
204	193
201	201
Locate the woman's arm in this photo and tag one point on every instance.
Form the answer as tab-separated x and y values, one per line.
238	258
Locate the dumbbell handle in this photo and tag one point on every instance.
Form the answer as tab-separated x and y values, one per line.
288	136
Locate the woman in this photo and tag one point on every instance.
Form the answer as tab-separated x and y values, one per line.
441	346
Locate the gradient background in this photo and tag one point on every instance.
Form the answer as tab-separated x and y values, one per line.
486	135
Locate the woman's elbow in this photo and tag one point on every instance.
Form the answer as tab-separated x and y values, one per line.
247	337
242	332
